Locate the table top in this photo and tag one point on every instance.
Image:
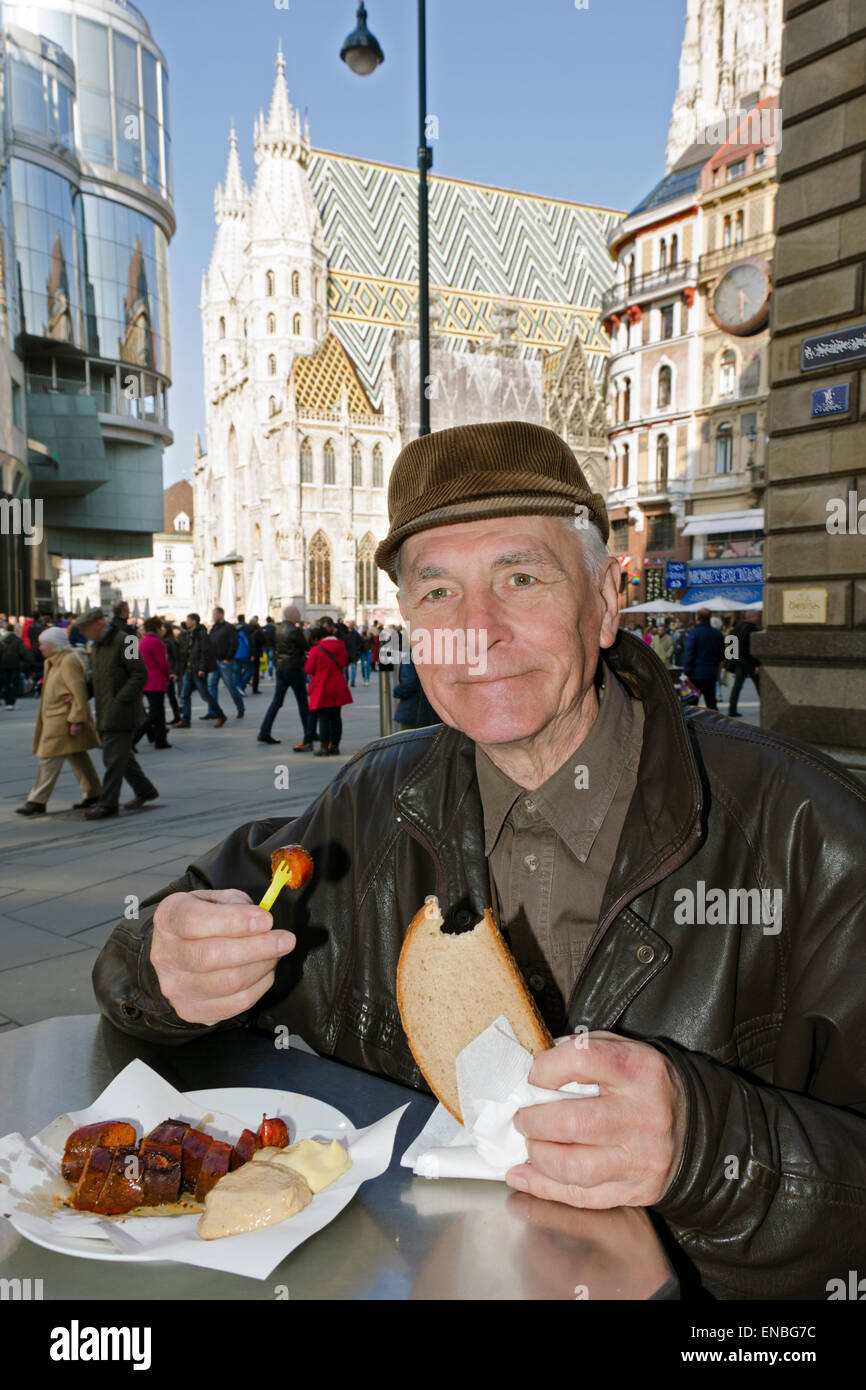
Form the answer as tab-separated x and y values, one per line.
401	1237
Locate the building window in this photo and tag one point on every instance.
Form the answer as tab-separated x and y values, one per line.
378	467
667	320
269	283
660	532
760	159
166	554
728	376
223	364
272	365
623	467
296	283
663	397
629	274
330	470
738	230
222	327
181	522
662	461
663	254
625	399
296	325
169	583
675	250
366	573
736	170
319	570
272	405
306	462
357	470
619	536
272	324
625	327
726	233
724	449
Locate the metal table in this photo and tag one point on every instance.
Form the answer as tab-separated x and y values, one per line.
401	1237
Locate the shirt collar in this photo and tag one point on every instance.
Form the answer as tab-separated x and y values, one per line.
576	798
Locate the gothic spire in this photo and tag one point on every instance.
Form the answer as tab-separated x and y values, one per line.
231	198
281	133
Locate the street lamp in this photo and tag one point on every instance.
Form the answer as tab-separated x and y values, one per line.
362	53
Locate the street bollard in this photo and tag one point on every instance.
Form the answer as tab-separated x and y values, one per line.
386	721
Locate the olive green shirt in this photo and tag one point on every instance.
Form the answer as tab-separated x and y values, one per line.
550	851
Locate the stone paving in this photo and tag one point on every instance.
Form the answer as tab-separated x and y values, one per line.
63	880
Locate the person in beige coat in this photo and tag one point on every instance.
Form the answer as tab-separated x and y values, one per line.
64	725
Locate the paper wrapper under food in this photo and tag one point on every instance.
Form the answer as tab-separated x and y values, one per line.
30	1179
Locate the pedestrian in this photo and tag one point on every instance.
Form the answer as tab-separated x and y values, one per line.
374	654
257	649
414	710
329	689
120	617
290	652
225	643
270	636
30	637
13	661
64	726
155	657
703	654
745	665
352	643
243	657
198	663
366	653
119	675
169	637
663	643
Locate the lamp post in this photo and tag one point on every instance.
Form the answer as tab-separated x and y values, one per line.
362	53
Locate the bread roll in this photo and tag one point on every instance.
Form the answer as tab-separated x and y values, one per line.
453	985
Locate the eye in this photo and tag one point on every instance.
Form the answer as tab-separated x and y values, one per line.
528	577
436	593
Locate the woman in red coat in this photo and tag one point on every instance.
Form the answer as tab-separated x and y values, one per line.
329	690
155	657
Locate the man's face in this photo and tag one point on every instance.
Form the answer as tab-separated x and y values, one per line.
93	631
215	616
517	588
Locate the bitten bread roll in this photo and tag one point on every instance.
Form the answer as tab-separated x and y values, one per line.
450	987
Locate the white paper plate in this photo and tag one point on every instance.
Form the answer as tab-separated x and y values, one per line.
247	1104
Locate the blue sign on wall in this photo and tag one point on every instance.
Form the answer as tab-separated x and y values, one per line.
842	345
832	400
712	575
675	575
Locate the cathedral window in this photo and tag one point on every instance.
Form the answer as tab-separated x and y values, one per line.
272	405
272	365
222	327
357	467
306	462
296	325
223	364
319	566
330	465
366	573
272	324
664	389
378	467
296	284
269	283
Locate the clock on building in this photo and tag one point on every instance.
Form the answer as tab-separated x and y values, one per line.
740	299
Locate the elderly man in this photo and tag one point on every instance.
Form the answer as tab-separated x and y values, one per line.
119	675
629	853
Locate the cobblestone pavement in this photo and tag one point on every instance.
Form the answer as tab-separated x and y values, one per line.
63	880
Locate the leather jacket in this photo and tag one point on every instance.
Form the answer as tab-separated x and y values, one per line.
291	647
196	650
765	1024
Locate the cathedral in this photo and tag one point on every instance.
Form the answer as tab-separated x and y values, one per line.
310	340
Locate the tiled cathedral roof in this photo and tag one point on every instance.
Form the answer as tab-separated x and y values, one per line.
320	377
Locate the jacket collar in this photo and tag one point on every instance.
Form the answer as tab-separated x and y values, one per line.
440	798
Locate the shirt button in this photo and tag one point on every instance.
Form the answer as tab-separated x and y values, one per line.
645	954
531	862
528	803
537	982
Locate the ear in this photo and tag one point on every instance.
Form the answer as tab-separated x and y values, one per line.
609	591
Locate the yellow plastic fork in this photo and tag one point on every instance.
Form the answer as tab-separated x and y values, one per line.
277	883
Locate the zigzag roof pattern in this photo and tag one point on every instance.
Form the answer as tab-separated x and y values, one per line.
542	260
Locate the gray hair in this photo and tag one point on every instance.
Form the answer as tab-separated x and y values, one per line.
593	547
56	637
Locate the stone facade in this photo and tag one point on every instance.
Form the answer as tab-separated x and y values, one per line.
813	653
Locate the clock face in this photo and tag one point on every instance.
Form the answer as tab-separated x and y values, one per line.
740	301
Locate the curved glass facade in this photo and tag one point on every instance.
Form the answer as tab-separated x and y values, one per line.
89	271
119	81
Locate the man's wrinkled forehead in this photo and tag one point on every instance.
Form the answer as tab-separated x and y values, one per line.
503	541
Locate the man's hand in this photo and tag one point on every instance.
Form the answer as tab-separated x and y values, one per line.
620	1148
201	675
214	953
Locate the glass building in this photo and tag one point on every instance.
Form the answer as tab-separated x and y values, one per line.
85	221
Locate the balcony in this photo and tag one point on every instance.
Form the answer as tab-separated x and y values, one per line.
713	262
640	286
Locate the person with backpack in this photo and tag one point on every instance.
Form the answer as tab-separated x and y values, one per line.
329	689
243	658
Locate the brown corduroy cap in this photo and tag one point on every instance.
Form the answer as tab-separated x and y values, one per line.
508	468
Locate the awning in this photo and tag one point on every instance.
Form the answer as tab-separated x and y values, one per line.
724	523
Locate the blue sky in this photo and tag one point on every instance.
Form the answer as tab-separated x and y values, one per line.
543	96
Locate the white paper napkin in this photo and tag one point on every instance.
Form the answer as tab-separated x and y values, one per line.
30	1176
493	1084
